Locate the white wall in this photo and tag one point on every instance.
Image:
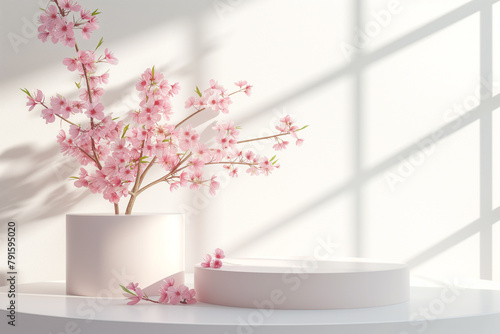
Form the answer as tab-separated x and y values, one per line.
392	160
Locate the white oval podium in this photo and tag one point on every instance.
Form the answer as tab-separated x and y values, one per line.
303	284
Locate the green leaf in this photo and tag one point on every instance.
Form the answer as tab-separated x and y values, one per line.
271	160
26	91
100	43
96	12
153	72
239	127
114	119
197	91
127	290
74	177
302	128
125	130
142	160
274	162
165	140
78	85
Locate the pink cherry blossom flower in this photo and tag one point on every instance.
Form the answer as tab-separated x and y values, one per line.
189	297
64	30
132	286
135	299
299	142
95	92
249	155
183	179
110	58
142	84
81	183
280	145
213	102
169	282
183	182
164	299
85	14
196	179
94	110
188	138
82	179
61	136
216	264
149	119
66	110
48	115
50	18
176	87
104	78
71	63
190	102
227	129
217	154
219	253
163	296
43	34
68	5
214	186
226	142
252	170
93	21
214	85
206	261
265	166
176	295
240	83
86	58
69	41
78	106
32	102
233	172
196	165
87	30
201	152
248	90
57	102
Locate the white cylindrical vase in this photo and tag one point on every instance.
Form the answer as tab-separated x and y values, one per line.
106	251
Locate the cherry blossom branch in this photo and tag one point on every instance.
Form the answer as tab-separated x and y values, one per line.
88	155
231	163
122	175
262	138
200	110
269	137
59	7
150	300
94	151
169	292
91	119
187	118
148	167
237	91
136	184
64	119
165	177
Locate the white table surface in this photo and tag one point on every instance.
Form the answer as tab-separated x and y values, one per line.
436	306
